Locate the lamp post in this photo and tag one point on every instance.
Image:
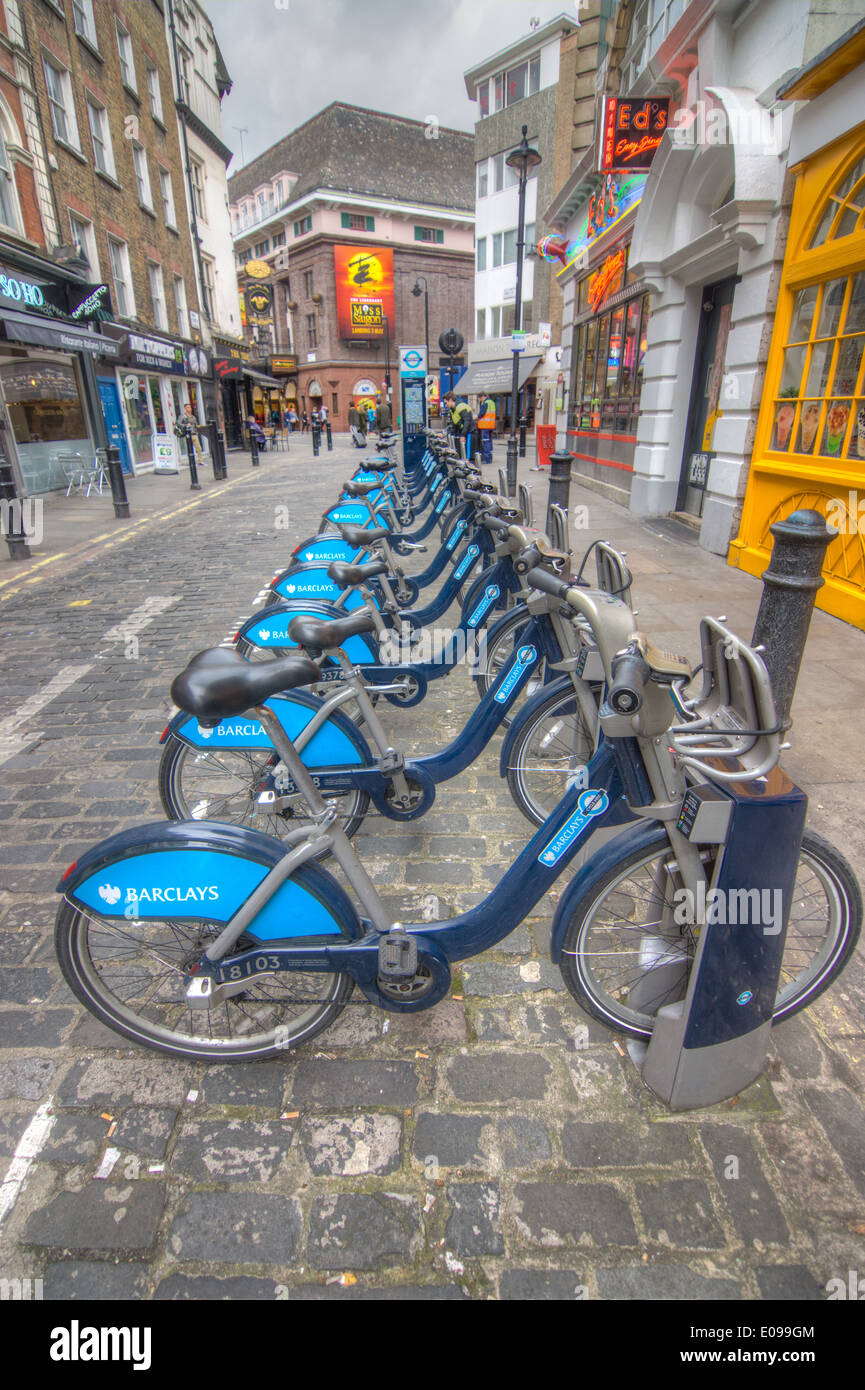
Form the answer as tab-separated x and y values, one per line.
417	292
523	158
387	385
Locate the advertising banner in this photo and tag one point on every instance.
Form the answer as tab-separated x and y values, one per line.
364	290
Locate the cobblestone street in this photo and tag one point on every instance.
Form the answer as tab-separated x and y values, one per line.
499	1146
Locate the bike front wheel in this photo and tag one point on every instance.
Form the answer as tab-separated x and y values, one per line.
131	976
549	752
624	957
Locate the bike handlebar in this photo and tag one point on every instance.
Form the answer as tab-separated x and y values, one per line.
631	674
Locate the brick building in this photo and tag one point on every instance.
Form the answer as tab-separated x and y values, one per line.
99	175
382	186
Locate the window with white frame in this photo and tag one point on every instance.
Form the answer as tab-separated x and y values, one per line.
127	61
142	176
481	324
498	173
495	320
121	276
208	285
10	212
482	253
497	248
483	178
85	25
196	170
100	134
157	295
166	192
180	307
61	102
84	236
154	93
652	22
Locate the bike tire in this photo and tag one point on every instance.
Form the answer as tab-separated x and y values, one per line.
810	964
552	747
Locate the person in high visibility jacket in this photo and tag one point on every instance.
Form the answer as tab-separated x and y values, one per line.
462	420
486	425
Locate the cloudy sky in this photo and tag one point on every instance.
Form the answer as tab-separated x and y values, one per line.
290	58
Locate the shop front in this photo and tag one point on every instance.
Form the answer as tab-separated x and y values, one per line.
809	448
229	359
155	379
49	403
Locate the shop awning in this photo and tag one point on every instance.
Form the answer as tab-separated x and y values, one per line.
262	378
497	375
25	328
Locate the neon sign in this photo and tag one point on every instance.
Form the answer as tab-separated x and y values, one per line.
631	131
606	279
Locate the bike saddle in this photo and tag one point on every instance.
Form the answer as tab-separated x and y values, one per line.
362	536
378	465
219	682
320	634
360	489
388	439
345	576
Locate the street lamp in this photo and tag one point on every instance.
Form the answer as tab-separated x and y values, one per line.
523	158
417	292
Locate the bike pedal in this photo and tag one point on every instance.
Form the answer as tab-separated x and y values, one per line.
397	956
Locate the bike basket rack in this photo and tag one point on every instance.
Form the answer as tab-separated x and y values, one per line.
524	498
558	520
733	718
614	577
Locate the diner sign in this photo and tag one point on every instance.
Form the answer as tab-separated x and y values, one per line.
631	130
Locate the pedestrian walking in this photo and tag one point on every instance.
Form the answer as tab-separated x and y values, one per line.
304	422
354	426
187	428
486	424
382	416
461	419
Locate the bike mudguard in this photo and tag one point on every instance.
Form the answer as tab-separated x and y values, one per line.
644	836
323	549
313	581
527	712
204	871
350	514
269	628
338	742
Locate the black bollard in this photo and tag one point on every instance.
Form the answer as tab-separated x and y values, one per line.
117	481
219	441
253	449
560	483
13	520
316	438
329	436
523	437
194	484
215	456
790	586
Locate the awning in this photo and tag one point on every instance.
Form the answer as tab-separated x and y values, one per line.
261	378
495	376
25	328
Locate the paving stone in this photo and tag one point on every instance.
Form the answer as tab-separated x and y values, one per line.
678	1212
334	1084
443	1024
90	1033
798	1049
261	1085
393	1293
145	1130
25	984
12	1126
102	1281
452	1141
353	1145
665	1284
474	1225
748	1196
598	1081
609	1144
232	1150
112	1082
363	1231
15	946
844	1122
523	1141
504	1076
100	1217
486	977
24	1028
430	872
236	1228
540	1285
357	1027
75	1139
184	1288
518	943
557	1214
493	1025
25	1078
790	1283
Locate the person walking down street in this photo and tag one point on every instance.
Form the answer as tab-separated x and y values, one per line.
364	422
304	422
370	417
383	419
187	428
354	425
462	421
486	424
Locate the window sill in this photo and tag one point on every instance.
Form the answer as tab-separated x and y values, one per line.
109	178
70	149
157	120
130	91
91	47
170	228
151	212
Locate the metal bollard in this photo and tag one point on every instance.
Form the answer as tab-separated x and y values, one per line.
194	484
790	586
329	436
523	437
253	449
217	456
219	439
316	438
13	519
117	481
560	484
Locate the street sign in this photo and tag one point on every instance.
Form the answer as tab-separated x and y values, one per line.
412	361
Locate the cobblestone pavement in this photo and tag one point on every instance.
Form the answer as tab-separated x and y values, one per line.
501	1145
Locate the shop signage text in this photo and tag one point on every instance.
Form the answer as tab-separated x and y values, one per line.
54	299
631	131
283	364
619	195
607	278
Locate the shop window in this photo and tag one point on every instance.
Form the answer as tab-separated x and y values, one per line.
607	357
136	398
47	419
845	210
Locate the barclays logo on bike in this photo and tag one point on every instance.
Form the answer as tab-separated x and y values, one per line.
525	657
457	532
466	562
591	803
491	593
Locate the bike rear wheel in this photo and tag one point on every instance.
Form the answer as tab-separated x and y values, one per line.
621	936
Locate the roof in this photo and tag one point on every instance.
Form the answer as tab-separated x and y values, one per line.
353	150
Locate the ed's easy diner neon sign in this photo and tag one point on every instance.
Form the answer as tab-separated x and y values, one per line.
604	281
632	130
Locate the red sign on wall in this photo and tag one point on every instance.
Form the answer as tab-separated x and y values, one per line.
631	131
364	290
607	279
